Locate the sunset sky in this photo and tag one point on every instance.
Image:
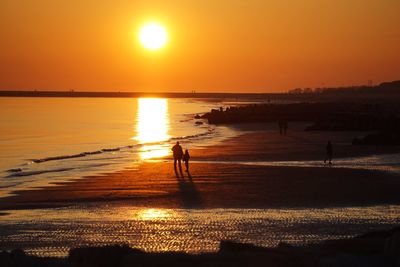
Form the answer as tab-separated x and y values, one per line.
213	45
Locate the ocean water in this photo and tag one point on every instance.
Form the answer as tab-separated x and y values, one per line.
47	140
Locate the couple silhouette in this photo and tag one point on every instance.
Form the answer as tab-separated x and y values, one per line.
178	154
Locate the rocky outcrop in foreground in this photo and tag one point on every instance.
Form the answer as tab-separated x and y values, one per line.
372	249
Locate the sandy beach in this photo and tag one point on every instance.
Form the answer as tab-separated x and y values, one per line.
288	111
220	179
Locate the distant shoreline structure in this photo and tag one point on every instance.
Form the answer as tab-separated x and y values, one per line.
383	90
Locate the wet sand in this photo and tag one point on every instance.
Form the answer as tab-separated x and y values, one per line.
262	142
233	185
221	186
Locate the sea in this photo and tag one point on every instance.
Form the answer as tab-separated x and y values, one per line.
48	140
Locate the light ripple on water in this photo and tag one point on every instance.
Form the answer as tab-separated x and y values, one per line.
54	231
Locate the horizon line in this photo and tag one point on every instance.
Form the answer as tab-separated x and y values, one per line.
71	92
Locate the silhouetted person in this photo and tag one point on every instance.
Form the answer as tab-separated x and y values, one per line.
329	153
280	124
186	158
178	154
285	126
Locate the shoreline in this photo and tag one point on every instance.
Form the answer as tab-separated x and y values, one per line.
262	142
154	182
263	205
307	190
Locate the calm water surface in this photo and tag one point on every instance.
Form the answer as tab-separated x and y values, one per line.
45	140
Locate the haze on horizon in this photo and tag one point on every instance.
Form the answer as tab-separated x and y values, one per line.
224	46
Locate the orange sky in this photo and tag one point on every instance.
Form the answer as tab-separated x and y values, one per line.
214	45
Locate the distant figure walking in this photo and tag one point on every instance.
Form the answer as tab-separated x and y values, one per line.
186	158
178	154
283	126
329	153
280	124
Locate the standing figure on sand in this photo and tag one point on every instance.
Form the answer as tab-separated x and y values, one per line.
283	126
186	158
329	153
177	152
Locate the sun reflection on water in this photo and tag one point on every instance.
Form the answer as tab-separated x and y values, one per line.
153	214
152	127
154	151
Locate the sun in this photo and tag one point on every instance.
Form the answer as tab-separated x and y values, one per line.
153	36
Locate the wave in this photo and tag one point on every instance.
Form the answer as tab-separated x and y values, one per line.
8	186
103	158
209	132
111	149
29	173
116	149
14	170
84	154
79	155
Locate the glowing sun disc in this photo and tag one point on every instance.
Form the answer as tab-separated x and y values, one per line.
153	36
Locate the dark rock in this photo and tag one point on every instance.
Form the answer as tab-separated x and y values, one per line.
234	247
332	116
106	256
